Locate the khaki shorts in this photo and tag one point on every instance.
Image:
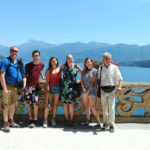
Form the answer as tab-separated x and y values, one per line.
11	97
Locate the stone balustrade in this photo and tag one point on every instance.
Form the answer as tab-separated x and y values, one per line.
134	96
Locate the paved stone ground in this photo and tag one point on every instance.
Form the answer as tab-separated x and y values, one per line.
78	137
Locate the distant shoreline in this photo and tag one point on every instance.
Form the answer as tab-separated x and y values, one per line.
143	64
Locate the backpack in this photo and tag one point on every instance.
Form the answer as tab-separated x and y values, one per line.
19	67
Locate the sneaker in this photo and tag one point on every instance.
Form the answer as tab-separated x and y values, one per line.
99	125
87	122
6	127
111	129
45	124
53	122
71	123
67	122
35	122
13	124
105	126
31	124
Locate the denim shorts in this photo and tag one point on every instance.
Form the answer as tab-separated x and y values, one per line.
91	93
54	89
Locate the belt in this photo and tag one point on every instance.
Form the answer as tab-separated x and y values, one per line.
12	85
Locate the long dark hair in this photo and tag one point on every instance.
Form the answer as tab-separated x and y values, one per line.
85	69
50	65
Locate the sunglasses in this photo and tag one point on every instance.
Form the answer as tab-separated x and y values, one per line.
14	51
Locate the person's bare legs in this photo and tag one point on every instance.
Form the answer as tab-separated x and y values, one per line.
11	111
55	104
46	110
71	111
87	108
36	111
66	111
30	112
5	113
92	101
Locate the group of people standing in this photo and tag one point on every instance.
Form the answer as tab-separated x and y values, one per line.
60	85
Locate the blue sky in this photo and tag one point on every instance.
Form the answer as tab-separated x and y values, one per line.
62	21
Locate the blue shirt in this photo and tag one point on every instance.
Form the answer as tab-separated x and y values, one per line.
13	74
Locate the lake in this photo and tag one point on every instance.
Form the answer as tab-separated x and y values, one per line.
135	74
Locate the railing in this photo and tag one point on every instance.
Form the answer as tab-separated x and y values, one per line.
134	95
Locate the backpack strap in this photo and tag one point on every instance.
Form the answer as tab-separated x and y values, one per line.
20	65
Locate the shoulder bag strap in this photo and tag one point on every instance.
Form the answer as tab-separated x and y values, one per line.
99	76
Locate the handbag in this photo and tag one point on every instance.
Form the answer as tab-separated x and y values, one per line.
77	89
98	92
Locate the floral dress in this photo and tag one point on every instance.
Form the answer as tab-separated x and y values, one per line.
68	84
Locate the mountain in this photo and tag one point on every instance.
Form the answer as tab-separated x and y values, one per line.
60	51
120	52
1	57
33	44
4	51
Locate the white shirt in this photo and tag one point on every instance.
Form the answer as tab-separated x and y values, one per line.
109	76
